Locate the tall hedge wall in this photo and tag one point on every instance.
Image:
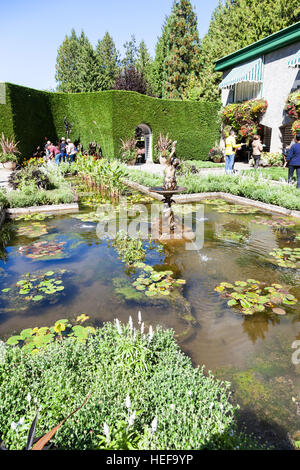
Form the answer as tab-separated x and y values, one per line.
30	116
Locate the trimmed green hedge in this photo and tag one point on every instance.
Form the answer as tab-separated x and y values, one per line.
30	116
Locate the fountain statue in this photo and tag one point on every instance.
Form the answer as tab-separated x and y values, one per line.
170	227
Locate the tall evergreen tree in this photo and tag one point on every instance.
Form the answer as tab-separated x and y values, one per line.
236	24
76	65
67	65
87	65
131	53
183	50
108	63
144	64
159	66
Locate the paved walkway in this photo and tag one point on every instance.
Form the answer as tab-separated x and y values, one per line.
157	169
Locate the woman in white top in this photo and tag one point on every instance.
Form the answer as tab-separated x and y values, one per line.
71	151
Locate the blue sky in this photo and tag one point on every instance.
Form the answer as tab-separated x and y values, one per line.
32	30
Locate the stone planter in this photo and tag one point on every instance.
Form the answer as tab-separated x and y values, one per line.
10	165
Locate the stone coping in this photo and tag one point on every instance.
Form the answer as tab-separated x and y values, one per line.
53	209
198	197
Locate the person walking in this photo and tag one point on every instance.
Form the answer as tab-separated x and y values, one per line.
293	161
257	148
230	148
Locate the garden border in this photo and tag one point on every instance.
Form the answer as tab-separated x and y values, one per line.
197	197
54	208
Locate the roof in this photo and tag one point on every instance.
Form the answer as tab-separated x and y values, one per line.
282	38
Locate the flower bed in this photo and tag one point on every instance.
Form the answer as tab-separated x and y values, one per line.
144	392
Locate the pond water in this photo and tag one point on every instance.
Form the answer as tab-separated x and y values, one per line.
76	272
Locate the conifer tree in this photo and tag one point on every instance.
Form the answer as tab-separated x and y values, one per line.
67	65
183	50
108	63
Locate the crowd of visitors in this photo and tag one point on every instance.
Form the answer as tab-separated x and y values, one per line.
65	151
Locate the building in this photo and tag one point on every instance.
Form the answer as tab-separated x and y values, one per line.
269	69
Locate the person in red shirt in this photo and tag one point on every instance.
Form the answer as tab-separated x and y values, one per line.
54	152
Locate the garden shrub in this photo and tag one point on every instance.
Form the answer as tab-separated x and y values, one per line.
106	117
123	371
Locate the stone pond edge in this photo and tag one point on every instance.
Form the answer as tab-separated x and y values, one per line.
198	197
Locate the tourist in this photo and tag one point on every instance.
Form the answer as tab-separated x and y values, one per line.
62	149
257	148
71	151
55	153
230	149
293	161
47	151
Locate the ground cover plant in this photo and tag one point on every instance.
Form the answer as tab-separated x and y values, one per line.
252	296
177	406
35	186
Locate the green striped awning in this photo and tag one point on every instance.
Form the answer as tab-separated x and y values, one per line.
294	60
250	72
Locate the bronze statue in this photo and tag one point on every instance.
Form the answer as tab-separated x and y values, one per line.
170	182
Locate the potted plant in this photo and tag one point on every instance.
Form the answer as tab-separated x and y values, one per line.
129	151
8	156
163	147
9	161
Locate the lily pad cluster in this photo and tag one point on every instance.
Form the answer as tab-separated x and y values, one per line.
228	235
287	257
35	287
253	296
43	250
29	217
153	282
36	229
92	217
273	222
225	207
36	339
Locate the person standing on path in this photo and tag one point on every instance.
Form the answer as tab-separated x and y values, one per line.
230	148
71	151
62	149
257	148
293	161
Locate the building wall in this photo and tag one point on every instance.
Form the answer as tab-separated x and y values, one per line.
279	80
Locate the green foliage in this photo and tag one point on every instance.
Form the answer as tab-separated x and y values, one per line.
108	62
292	106
76	65
182	50
287	257
129	249
244	117
253	296
3	199
153	282
176	405
107	116
259	18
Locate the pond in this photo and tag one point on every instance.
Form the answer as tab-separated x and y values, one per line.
59	268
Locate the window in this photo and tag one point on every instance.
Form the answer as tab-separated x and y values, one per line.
244	91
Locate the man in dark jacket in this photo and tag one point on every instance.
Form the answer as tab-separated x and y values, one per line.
293	160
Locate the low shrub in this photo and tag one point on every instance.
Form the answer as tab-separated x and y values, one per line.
141	386
270	159
3	199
